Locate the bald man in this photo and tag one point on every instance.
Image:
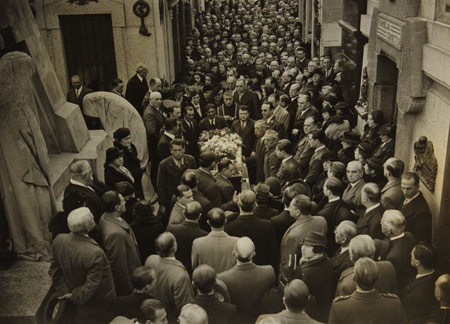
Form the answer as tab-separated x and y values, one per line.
246	281
442	294
352	194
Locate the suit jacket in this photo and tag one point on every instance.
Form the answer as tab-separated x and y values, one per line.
205	124
264	212
418	298
315	166
93	198
226	188
260	153
281	223
164	147
130	305
136	91
367	307
302	65
300	117
121	248
247	284
386	151
247	134
154	123
386	283
146	230
218	312
206	207
271	163
285	173
399	254
277	126
190	134
250	99
392	195
207	185
352	196
173	287
215	249
340	261
169	177
329	75
296	233
318	276
287	317
418	218
261	232
72	97
78	265
370	223
303	155
185	233
282	116
177	214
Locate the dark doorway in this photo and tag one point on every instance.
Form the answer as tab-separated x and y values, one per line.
89	49
386	86
181	28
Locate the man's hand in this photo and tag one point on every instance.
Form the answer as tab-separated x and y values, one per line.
66	296
295	131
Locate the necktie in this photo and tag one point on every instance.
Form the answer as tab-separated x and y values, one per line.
242	124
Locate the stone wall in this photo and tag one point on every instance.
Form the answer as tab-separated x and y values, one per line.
131	47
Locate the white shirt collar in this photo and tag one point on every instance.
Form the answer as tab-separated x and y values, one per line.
344	249
319	148
169	135
77	183
355	183
397	237
333	199
284	160
424	274
411	199
372	208
140	78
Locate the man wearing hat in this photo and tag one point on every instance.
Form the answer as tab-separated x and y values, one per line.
387	146
349	142
373	171
263	195
317	272
247	282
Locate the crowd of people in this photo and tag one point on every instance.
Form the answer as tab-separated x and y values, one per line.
332	229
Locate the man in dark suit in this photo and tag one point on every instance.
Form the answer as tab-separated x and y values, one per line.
316	141
392	195
76	95
352	194
363	246
137	87
367	305
190	132
211	121
245	97
302	151
284	220
80	270
170	171
223	180
154	123
289	168
171	128
118	87
186	232
335	211
247	282
204	279
415	208
256	158
173	285
329	71
397	245
267	111
260	231
370	222
301	59
294	92
82	182
304	110
245	128
262	210
119	242
343	234
418	296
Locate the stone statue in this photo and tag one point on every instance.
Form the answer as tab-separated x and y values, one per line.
425	162
25	165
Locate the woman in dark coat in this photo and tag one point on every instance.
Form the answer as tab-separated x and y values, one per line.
115	172
375	120
122	141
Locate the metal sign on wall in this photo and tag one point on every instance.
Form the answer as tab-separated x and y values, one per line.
390	32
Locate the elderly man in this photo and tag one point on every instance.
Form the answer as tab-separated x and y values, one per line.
415	208
137	87
82	184
370	222
260	231
204	280
76	95
192	314
352	194
247	282
396	246
186	232
289	168
80	269
173	286
119	242
391	194
363	246
366	304
343	234
442	294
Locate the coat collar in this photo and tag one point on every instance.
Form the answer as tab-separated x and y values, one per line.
390	185
112	219
245	266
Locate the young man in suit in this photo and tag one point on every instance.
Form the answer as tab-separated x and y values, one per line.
190	132
171	128
211	121
245	128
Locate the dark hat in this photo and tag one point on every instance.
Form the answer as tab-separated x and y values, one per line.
168	103
329	156
337	119
263	191
317	70
112	153
387	130
315	239
341	105
121	133
207	88
207	157
274	184
350	137
366	147
375	163
178	88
